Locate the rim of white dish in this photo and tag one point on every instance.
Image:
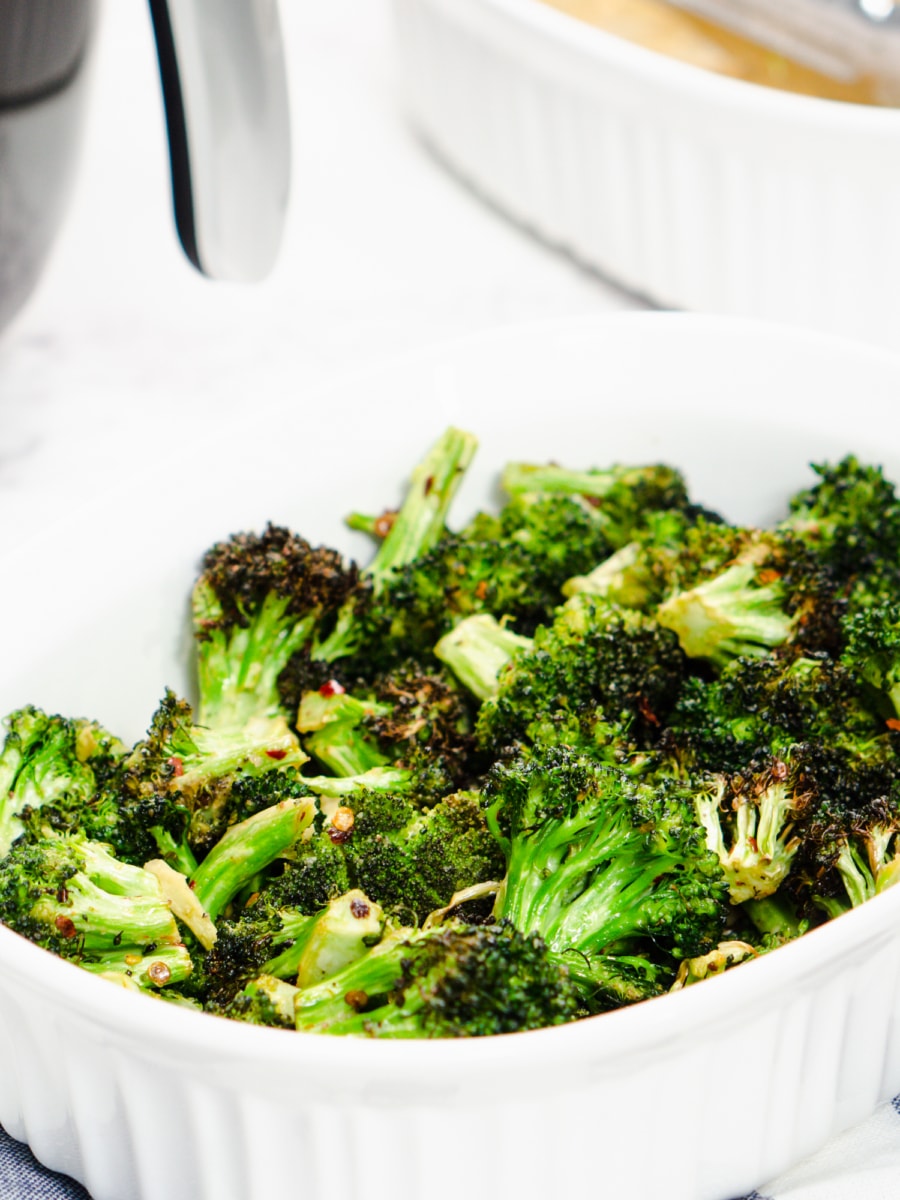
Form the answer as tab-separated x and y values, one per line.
607	1038
603	47
604	1040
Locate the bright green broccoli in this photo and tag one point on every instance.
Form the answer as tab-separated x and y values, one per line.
611	873
72	896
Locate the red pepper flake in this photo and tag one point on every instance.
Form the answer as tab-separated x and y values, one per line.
768	576
481	590
177	766
647	712
159	973
339	836
357	1000
331	688
278	755
429	484
66	926
359	909
892	723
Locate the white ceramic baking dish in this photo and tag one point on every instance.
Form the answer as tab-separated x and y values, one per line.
694	190
699	1095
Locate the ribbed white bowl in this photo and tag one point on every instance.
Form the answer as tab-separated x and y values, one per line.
694	190
696	1096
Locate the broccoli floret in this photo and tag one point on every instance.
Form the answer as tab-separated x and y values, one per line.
739	612
804	709
610	872
259	600
873	651
850	855
413	719
450	981
411	532
44	761
476	651
593	674
621	496
850	517
410	862
750	825
71	896
511	566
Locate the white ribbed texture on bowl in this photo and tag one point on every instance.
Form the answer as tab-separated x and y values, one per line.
696	191
701	1095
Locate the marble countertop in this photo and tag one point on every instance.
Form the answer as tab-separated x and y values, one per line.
125	350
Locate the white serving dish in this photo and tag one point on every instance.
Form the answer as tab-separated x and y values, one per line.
693	190
140	1099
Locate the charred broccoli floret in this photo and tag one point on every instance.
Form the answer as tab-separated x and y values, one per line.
592	675
750	824
610	872
450	981
850	517
410	862
413	719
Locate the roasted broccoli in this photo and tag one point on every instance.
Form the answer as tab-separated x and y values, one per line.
610	872
583	749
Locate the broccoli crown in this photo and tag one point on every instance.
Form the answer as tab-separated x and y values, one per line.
621	495
848	856
72	896
67	775
451	981
873	650
592	670
409	861
46	760
600	865
249	568
850	517
760	709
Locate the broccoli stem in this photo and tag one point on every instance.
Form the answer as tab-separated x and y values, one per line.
150	970
476	651
379	779
177	854
238	667
528	478
417	527
248	847
332	731
728	616
422	518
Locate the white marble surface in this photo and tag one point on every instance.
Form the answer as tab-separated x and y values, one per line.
125	350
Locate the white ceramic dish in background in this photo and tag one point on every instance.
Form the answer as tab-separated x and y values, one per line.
697	191
140	1099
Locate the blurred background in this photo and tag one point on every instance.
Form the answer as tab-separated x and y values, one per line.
124	350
